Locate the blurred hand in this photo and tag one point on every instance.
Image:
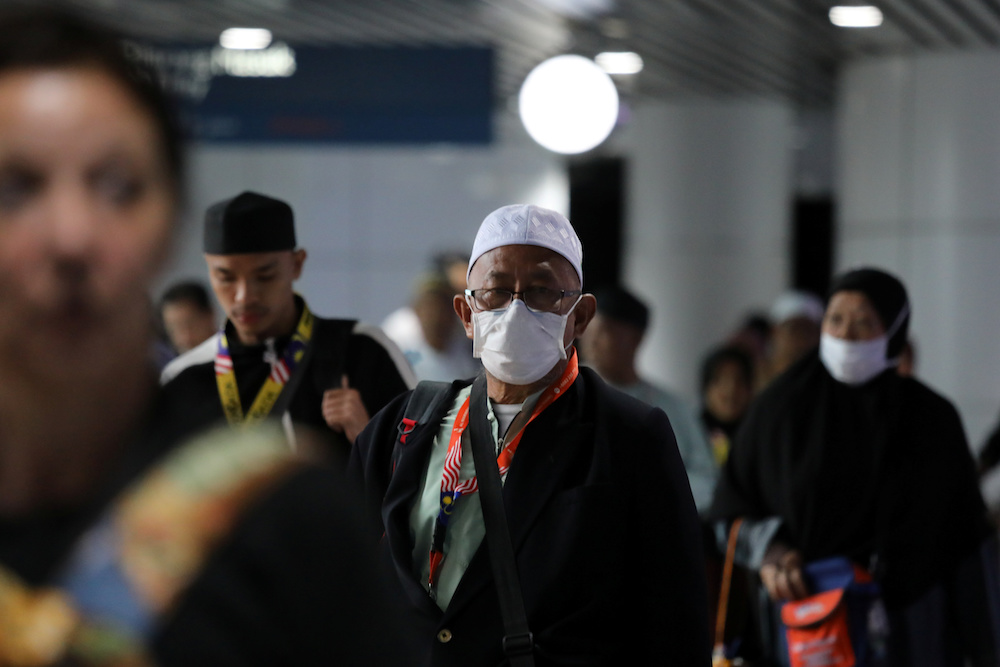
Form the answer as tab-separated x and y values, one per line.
781	573
343	410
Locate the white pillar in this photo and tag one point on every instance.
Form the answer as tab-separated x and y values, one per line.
707	235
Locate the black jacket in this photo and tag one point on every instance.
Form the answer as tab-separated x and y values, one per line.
370	361
604	530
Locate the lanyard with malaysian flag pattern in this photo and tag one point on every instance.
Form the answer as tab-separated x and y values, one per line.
452	489
281	371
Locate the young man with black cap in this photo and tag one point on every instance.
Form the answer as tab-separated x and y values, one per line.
273	357
602	530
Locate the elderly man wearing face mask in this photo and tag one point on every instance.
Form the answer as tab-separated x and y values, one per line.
603	529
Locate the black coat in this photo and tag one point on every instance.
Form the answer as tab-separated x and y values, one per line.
341	349
881	468
604	530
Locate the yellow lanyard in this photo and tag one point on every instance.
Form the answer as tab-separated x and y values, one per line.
281	371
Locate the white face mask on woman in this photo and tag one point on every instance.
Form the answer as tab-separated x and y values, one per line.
855	362
519	346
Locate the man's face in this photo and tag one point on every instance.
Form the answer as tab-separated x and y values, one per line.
255	291
86	206
518	267
186	324
609	344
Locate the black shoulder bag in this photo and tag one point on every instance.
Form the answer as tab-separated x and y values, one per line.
518	643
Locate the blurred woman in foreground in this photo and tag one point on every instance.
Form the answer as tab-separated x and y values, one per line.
229	552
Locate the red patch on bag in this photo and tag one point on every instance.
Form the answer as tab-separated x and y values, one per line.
818	632
405	428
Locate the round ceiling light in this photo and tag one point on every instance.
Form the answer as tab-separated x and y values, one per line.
245	38
568	104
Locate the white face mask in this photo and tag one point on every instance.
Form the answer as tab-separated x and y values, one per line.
855	362
516	345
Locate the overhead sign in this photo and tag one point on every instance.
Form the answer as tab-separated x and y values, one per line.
336	94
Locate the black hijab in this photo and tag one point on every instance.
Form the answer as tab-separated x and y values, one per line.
881	468
887	295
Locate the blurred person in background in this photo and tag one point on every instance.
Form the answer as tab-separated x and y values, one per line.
438	350
161	351
418	328
842	457
753	336
727	387
121	541
795	323
188	315
610	346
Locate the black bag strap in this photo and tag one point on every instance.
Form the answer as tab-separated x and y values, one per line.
425	399
518	642
331	339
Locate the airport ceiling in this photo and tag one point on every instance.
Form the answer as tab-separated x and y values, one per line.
712	48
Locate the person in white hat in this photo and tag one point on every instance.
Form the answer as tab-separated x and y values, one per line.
796	317
603	527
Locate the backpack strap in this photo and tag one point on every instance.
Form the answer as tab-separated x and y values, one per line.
330	340
425	399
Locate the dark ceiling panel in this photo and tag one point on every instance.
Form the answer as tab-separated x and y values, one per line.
786	48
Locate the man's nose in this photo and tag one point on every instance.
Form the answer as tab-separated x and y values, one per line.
246	292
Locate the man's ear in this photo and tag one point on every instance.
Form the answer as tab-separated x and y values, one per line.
298	260
583	314
464	312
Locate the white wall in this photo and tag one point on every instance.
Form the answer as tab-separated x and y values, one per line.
369	217
709	201
919	166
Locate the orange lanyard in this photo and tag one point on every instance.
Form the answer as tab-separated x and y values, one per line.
452	490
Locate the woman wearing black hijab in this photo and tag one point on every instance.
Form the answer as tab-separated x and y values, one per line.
843	457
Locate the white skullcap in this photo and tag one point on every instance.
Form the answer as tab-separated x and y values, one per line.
526	224
795	303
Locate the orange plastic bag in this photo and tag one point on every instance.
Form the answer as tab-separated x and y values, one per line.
818	631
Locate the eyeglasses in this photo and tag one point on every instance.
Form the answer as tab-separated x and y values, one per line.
537	299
